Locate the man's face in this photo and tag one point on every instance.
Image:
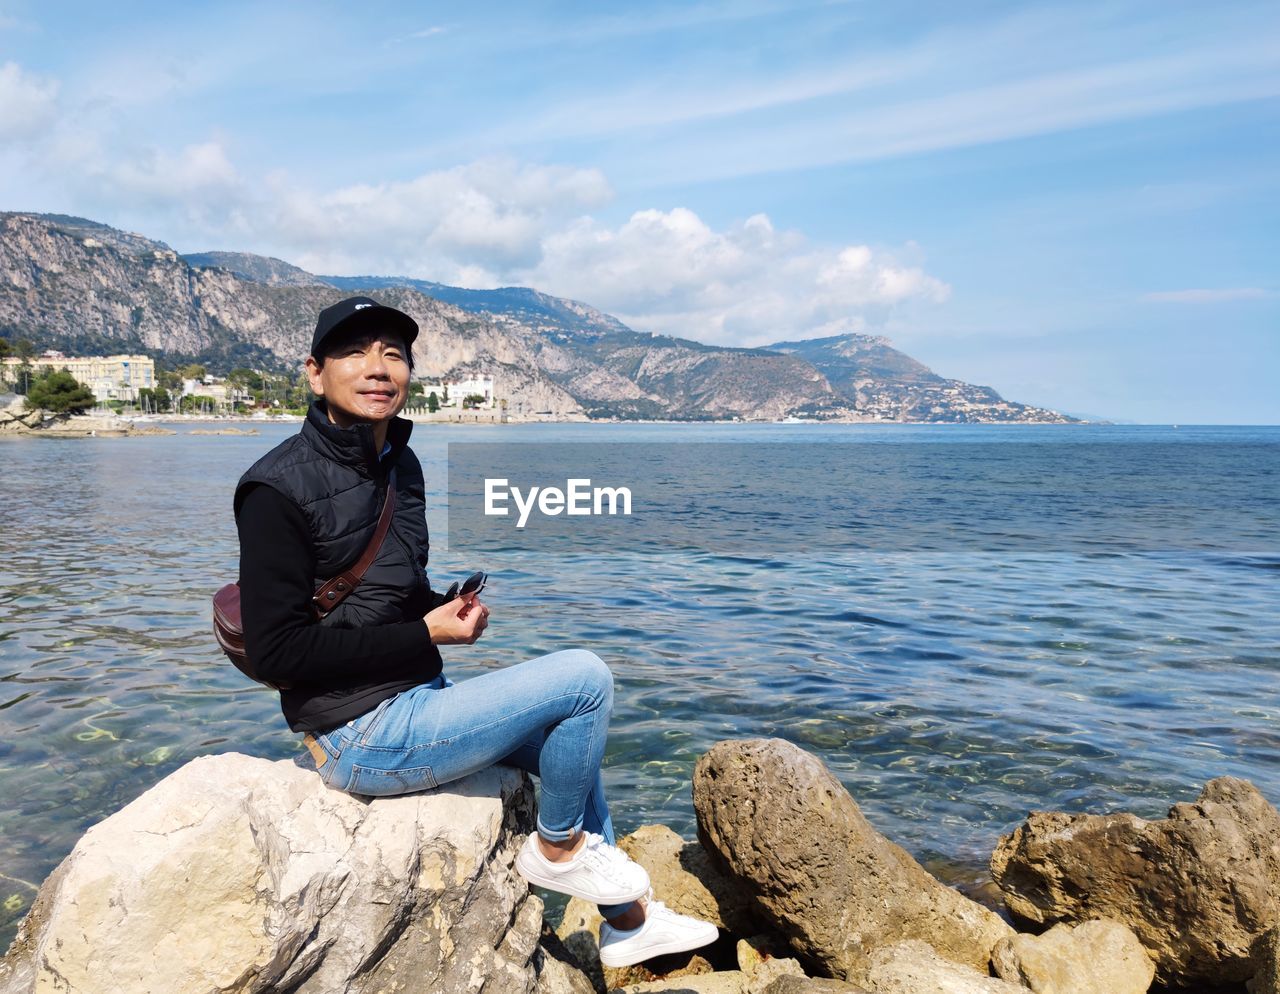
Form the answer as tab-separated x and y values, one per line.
365	377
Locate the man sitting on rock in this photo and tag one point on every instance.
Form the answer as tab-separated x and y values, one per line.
365	682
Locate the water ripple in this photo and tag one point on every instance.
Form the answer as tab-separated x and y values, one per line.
950	692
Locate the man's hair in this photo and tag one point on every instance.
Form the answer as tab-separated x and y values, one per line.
342	338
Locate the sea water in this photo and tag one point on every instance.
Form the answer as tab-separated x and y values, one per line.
1006	618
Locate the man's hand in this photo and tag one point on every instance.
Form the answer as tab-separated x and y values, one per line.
458	622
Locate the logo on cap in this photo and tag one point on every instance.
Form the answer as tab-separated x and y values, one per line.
359	306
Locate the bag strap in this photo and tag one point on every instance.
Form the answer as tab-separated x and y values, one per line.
335	591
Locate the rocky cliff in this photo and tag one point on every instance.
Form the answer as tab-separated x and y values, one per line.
83	287
884	384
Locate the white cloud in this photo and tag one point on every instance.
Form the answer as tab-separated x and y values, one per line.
1207	296
670	272
28	104
1039	70
497	222
490	222
430	32
954	117
488	217
75	151
154	176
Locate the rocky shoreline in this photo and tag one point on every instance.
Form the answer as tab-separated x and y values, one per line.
16	422
239	874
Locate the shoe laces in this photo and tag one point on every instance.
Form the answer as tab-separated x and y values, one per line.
655	910
601	855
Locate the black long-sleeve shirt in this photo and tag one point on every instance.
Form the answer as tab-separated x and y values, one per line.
282	636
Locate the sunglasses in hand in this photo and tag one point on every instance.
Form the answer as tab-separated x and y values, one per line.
471	585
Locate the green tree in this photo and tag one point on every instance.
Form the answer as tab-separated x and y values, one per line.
197	404
193	372
22	378
433	402
58	391
155	400
247	379
299	393
23	348
473	400
6	349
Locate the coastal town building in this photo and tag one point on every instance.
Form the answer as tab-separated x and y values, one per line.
452	393
216	389
113	377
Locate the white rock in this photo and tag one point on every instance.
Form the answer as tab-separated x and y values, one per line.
239	874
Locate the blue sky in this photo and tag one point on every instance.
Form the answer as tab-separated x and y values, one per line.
1075	203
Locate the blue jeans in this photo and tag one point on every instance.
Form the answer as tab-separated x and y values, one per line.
549	716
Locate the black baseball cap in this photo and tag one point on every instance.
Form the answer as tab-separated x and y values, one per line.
361	312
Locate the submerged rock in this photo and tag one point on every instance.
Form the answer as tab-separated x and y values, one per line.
1198	889
820	874
240	874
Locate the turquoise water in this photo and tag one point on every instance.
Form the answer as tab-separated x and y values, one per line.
951	690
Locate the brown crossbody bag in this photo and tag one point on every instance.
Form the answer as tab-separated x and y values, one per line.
227	626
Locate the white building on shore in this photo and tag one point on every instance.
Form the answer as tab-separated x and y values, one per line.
452	393
112	377
217	389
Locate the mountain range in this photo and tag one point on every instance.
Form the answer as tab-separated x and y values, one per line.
81	286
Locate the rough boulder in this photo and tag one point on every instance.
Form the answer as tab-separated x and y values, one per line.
1098	957
240	874
1199	889
821	875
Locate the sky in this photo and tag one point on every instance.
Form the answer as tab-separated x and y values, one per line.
1075	204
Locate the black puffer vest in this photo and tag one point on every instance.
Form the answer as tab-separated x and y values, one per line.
336	478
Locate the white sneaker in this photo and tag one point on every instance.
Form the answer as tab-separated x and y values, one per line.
663	932
597	872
